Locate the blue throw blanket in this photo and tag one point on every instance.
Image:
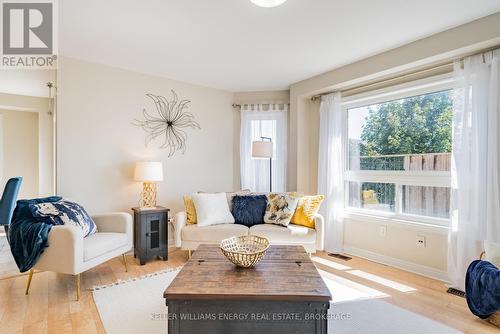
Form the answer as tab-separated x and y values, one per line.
28	236
482	288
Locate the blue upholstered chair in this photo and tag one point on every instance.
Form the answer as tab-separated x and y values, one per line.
8	202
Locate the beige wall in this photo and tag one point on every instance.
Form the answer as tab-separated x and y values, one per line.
20	149
98	146
281	96
360	235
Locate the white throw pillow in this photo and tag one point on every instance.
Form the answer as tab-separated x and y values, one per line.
212	209
492	251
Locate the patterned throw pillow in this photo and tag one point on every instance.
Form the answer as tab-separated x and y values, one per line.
306	210
280	209
65	213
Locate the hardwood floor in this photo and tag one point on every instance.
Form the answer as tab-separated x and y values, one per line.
51	307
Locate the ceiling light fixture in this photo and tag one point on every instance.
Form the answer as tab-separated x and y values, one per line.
268	3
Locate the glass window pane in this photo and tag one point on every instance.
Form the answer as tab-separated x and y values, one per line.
372	196
412	133
426	201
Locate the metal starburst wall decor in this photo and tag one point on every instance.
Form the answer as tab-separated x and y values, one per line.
169	124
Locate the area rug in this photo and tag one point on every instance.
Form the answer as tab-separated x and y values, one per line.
137	306
8	265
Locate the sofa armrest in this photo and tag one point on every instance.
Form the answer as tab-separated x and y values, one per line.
180	222
118	222
319	225
65	251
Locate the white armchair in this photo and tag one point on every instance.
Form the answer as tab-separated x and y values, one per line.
70	253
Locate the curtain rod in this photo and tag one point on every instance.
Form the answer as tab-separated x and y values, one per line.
397	78
234	105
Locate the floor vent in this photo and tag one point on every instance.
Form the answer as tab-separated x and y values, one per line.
456	292
340	256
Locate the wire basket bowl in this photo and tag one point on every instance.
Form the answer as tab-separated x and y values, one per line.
244	251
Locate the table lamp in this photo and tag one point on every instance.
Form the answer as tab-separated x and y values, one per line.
149	173
264	149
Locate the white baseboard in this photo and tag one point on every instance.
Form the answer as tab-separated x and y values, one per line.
398	263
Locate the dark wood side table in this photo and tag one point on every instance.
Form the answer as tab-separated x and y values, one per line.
150	233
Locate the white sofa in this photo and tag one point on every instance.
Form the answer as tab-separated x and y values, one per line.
189	237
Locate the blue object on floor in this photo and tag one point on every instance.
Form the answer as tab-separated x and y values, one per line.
8	202
28	236
482	288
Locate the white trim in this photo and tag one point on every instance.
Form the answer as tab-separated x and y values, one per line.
417	223
428	85
411	178
416	268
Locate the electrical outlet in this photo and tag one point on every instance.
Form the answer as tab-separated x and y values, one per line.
382	231
421	241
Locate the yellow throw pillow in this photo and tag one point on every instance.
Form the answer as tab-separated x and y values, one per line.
306	210
369	197
190	210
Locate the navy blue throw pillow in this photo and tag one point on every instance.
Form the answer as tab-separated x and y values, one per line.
249	210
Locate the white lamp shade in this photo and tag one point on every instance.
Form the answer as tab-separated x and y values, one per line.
262	149
148	171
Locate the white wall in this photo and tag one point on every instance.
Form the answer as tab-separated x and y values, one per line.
98	146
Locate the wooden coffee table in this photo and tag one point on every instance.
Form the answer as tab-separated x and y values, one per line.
282	293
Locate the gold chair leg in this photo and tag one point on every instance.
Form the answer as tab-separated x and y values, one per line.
125	262
30	277
77	278
190	252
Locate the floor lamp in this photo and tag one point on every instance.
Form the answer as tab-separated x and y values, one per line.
264	149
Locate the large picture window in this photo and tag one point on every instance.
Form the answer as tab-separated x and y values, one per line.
399	153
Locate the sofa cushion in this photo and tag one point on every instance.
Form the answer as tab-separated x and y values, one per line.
291	234
213	233
280	209
306	210
101	243
212	209
249	210
190	210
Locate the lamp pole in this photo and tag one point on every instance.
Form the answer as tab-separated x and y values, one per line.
270	166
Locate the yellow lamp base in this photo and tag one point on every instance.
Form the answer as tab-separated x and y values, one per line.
148	195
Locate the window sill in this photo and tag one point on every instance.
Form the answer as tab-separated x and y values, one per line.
439	226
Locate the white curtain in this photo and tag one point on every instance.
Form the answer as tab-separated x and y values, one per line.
331	169
475	202
269	120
